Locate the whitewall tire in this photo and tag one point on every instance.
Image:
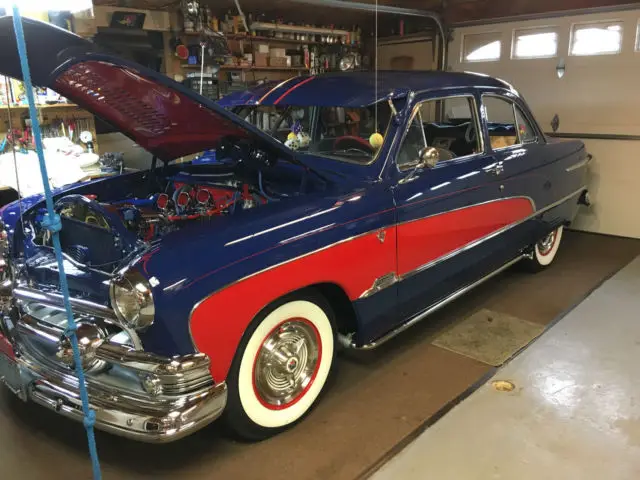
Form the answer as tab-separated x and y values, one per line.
281	367
545	250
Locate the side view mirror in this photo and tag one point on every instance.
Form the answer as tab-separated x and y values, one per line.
428	157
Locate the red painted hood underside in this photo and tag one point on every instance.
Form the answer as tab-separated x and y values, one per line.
159	118
160	115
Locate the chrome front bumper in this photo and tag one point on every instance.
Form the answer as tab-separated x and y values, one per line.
135	394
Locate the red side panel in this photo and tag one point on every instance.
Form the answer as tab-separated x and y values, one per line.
218	324
422	241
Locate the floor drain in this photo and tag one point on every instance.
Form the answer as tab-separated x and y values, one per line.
503	386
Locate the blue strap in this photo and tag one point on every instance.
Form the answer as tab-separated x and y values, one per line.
52	223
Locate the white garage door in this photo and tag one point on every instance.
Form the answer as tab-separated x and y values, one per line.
598	94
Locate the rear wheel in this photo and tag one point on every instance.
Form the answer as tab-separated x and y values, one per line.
545	250
281	367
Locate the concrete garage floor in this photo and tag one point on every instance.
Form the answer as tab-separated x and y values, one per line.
572	415
378	401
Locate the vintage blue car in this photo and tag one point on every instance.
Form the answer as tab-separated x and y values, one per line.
339	212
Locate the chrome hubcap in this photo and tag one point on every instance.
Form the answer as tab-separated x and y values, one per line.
286	363
546	244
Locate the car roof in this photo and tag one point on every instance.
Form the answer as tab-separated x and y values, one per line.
356	89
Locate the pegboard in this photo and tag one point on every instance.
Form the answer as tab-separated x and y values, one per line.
51	119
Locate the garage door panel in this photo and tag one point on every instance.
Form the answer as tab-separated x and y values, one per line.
596	95
614	175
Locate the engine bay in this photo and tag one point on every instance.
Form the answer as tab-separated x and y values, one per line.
184	198
100	231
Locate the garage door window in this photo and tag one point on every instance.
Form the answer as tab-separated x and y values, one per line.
481	47
602	38
535	43
507	123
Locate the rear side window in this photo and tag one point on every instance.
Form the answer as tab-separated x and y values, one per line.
506	123
525	130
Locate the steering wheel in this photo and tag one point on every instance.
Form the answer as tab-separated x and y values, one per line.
351	142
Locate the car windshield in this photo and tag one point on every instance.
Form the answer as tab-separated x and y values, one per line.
335	132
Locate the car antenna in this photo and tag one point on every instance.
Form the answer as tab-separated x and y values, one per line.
376	139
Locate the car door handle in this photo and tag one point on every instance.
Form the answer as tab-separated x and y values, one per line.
496	168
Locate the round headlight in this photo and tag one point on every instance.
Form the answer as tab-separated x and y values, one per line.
132	300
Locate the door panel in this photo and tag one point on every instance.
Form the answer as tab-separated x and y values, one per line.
524	169
425	241
455	220
437	217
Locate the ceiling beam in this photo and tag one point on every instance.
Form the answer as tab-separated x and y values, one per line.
467	11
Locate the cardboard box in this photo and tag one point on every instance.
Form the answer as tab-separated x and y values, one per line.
261	48
260	59
277	52
277	61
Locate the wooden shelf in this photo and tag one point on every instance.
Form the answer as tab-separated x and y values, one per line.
263	39
258	38
288	69
255	26
53	105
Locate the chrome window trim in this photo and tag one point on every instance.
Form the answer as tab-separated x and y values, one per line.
476	114
514	105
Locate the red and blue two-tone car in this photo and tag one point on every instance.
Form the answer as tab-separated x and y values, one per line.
341	209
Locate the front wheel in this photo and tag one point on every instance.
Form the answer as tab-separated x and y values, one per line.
545	250
281	367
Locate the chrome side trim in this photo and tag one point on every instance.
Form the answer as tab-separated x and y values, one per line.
380	283
580	164
436	306
400	278
477	242
533	205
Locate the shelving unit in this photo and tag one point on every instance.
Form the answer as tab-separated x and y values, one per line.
275	35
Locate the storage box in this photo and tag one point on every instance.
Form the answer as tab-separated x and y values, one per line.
260	59
261	48
277	52
277	61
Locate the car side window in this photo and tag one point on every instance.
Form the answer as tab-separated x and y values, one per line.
506	123
448	124
525	129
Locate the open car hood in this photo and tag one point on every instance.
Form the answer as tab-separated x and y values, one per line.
162	116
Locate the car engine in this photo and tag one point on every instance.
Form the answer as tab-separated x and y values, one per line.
184	199
100	233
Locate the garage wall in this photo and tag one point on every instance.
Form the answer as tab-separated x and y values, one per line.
598	95
416	55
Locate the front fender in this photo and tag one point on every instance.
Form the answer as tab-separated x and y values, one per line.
328	240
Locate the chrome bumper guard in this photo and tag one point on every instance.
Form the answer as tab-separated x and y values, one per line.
135	394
